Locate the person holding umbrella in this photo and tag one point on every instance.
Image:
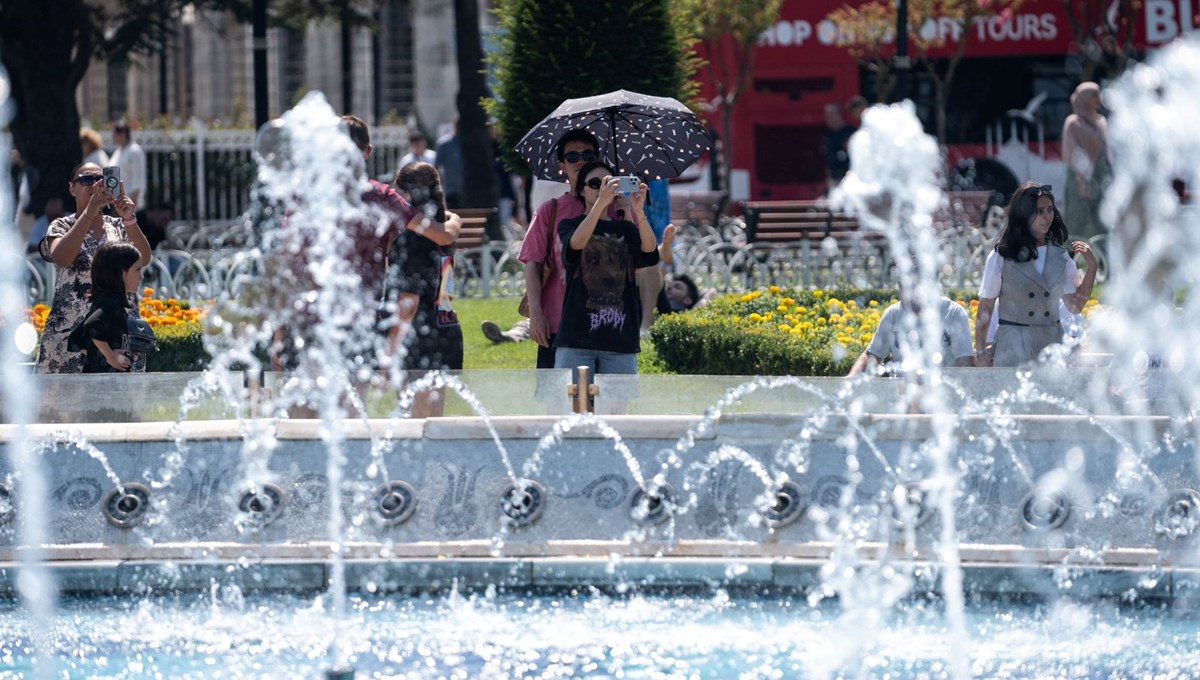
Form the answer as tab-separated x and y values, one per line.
541	251
602	309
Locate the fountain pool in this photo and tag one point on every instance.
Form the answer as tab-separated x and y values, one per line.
960	522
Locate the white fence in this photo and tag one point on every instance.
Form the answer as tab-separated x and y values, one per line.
206	175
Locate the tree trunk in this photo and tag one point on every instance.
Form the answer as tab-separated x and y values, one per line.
479	166
45	47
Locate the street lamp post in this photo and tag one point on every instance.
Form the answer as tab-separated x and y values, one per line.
261	110
903	62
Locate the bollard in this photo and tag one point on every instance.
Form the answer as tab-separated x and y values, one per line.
252	381
583	391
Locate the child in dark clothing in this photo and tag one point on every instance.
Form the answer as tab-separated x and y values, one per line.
105	333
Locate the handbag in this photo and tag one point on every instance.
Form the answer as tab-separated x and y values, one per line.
139	337
547	267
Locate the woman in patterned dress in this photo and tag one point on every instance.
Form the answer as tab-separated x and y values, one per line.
70	243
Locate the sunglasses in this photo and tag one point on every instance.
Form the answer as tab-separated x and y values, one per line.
576	156
594	183
1041	191
88	180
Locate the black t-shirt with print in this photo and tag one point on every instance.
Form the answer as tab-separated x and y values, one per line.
421	267
602	309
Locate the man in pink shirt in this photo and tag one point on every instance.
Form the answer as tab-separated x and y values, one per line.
574	149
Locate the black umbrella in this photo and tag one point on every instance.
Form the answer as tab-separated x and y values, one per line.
654	137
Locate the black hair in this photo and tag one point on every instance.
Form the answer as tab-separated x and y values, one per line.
423	185
109	265
417	136
576	135
358	130
693	292
75	170
1016	240
122	126
585	171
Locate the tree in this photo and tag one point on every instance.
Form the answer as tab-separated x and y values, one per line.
1103	33
728	32
46	47
551	50
479	175
869	31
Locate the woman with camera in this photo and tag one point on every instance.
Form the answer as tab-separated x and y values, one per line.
602	310
70	243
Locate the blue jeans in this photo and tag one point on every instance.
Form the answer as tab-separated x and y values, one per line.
598	360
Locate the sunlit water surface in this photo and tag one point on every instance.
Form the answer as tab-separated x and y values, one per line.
506	635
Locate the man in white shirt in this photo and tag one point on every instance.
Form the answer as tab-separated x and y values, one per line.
418	150
130	157
896	331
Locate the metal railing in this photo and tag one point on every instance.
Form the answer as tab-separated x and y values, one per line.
206	175
716	259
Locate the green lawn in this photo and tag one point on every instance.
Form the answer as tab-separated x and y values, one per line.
479	352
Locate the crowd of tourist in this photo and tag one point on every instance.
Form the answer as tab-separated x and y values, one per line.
595	270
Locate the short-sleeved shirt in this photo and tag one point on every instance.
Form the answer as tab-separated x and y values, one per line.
418	266
388	215
533	249
72	285
602	309
956	333
993	273
106	320
430	157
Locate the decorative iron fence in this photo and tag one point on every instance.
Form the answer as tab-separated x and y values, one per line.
206	175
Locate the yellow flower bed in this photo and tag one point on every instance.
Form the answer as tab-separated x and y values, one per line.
829	321
156	312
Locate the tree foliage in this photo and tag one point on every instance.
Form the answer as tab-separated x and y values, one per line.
728	32
551	50
868	31
46	47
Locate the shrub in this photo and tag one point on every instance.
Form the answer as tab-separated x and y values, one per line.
180	348
774	332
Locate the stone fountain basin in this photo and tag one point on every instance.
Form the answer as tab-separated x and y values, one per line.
1042	507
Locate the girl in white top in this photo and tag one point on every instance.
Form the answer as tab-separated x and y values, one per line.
1029	271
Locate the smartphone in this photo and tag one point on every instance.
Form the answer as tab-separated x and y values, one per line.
628	185
112	180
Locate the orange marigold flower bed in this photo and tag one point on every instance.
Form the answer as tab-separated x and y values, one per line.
156	312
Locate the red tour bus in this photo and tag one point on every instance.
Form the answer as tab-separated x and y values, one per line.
1010	63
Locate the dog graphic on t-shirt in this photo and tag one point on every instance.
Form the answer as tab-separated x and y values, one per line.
604	269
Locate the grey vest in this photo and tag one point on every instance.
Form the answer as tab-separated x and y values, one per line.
1028	298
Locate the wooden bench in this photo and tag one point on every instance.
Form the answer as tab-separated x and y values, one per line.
475	223
477	253
791	221
478	226
809	243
